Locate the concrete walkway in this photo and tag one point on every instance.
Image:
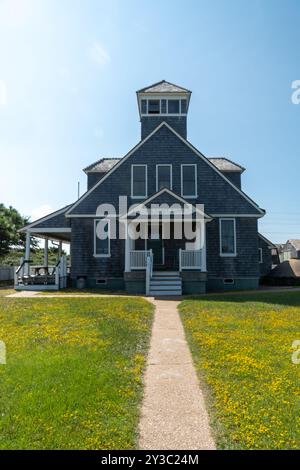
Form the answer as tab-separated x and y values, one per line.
173	413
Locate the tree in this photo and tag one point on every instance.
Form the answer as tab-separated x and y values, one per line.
10	222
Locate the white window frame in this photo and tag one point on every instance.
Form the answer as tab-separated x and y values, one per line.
159	98
260	251
189	196
227	255
174	99
146	185
171	174
101	255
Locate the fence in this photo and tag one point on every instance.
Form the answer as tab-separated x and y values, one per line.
6	273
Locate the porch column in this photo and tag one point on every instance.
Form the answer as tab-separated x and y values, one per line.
60	250
46	251
27	254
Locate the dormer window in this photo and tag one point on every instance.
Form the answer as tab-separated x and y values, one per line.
154	107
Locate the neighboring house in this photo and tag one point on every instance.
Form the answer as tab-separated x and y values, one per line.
163	168
290	250
268	255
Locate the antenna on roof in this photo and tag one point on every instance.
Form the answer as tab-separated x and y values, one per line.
78	190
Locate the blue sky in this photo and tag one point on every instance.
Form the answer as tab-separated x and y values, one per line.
69	71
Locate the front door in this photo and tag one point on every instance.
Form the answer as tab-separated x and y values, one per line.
158	252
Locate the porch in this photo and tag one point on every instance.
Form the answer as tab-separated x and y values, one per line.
159	263
44	276
167	246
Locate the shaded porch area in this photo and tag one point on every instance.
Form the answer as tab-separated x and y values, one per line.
44	276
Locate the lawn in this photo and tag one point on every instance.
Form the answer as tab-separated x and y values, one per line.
242	348
73	378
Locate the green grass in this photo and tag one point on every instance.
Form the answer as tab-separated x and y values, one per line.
4	292
73	378
94	291
242	348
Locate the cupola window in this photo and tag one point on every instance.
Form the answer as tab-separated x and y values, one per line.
153	106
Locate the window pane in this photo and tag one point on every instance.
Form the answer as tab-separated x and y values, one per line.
153	107
163	106
163	177
102	239
227	234
144	106
139	181
173	106
183	106
188	180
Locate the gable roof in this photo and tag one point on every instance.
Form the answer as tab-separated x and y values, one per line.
224	164
163	87
295	243
173	195
102	166
107	163
42	220
186	142
268	242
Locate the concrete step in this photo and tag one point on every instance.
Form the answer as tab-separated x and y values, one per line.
162	293
165	287
165	273
166	283
165	278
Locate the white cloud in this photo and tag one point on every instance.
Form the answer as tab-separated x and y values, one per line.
98	54
41	211
3	93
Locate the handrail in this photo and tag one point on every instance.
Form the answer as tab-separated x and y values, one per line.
149	271
25	261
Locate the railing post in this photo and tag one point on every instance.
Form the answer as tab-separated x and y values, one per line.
180	259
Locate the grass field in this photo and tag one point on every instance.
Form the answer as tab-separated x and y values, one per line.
73	378
242	347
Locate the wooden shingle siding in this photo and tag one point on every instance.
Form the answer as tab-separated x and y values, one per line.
82	253
266	265
164	146
58	221
245	264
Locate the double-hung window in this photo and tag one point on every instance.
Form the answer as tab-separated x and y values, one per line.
227	237
102	238
163	176
139	181
189	180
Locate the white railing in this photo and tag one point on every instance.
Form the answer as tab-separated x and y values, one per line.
42	275
149	271
190	259
138	259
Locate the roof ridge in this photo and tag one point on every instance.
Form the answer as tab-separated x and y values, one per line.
160	83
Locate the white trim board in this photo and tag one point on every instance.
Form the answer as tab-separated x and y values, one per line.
186	142
50	230
164	190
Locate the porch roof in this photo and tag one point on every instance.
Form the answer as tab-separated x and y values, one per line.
54	226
